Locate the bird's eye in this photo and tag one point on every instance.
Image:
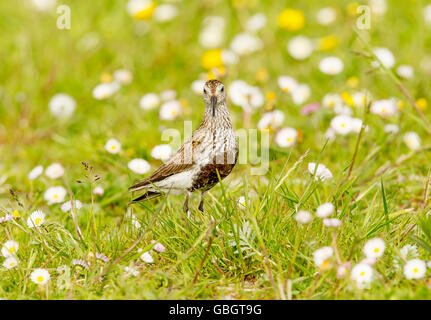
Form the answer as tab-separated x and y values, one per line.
222	89
205	91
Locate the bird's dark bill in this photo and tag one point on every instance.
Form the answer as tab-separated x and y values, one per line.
213	104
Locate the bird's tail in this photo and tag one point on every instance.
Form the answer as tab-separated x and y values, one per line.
146	196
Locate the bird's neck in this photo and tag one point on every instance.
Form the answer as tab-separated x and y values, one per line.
221	117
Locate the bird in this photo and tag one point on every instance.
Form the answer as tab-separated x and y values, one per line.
207	157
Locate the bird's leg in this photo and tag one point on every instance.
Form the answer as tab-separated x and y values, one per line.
201	204
186	208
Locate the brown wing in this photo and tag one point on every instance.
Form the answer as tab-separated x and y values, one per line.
164	171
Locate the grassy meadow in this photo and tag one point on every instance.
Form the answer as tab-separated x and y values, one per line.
360	115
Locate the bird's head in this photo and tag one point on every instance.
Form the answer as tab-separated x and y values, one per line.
214	94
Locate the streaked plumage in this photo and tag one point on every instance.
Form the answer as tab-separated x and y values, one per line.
212	149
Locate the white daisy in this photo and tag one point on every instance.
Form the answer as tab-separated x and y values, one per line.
242	202
98	191
300	47
342	124
301	94
384	108
385	56
40	276
113	146
303	217
321	257
10	262
62	106
286	137
229	57
165	12
123	76
405	71
168	95
161	152
198	86
363	274
246	96
322	172
325	210
374	248
170	110
67	206
158	246
147	258
212	33
44	5
245	43
139	166
332	100
35	172
326	16
9	248
332	223
412	140
391	128
55	194
36	219
149	101
271	120
54	171
105	90
134	7
287	84
378	7
256	22
415	269
331	65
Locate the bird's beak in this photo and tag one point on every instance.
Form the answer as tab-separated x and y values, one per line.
213	103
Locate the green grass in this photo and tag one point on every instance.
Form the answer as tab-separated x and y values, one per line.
258	252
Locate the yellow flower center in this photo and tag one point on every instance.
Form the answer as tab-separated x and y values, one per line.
362	273
415	270
12	249
15	213
376	250
289	139
212	59
146	13
55	196
113	147
40	279
11	264
38	221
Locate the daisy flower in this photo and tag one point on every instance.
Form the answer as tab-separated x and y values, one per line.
105	90
170	110
405	71
54	171
131	270
36	219
245	43
161	152
35	173
55	194
256	22
391	128
415	269
321	257
331	65
332	223
325	210
113	146
62	106
212	33
331	100
322	172
384	108
40	276
123	76
412	140
158	246
286	137
385	56
98	191
287	84
67	206
168	95
10	262
242	202
342	124
363	274
44	5
291	19
301	94
139	166
165	12
141	9
246	96
303	217
326	16
149	101
300	47
78	262
271	120
147	258
198	86
229	57
9	248
130	217
374	248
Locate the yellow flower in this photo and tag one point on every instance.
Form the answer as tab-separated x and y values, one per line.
352	8
422	103
146	13
270	96
16	214
353	82
106	77
291	19
262	75
184	102
347	98
401	104
328	43
212	59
